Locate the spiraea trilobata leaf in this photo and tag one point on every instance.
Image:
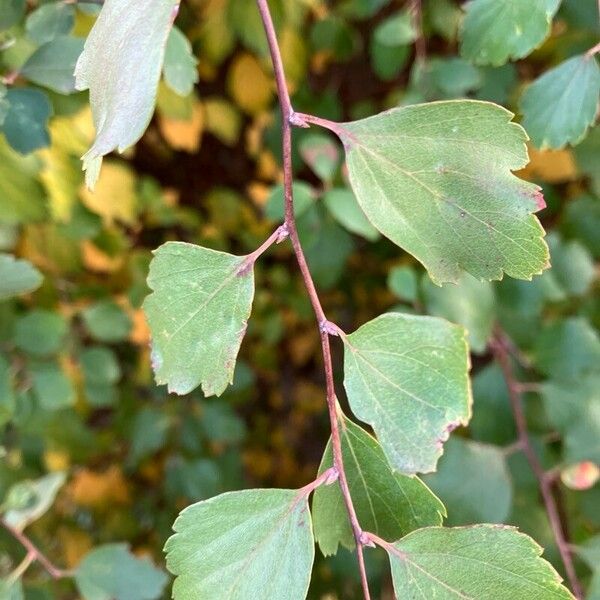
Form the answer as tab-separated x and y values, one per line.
436	179
197	313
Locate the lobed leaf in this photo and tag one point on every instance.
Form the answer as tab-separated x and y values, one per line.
483	562
249	544
197	315
407	376
435	179
121	65
559	106
387	503
495	31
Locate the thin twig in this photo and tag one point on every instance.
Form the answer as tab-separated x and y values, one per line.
500	349
287	114
35	553
420	46
593	50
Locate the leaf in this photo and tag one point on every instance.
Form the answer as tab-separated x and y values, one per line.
17	277
107	321
484	562
572	265
11	590
7	396
50	21
27	501
388	504
197	314
52	387
249	85
25	124
342	205
52	64
40	332
121	64
402	282
559	106
435	179
485	496
304	198
470	303
321	154
250	544
11	12
495	31
100	365
111	572
179	68
397	30
407	377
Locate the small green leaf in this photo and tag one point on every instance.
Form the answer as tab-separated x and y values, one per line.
11	590
197	315
304	198
469	303
572	265
52	64
111	572
397	30
495	31
321	153
388	504
50	21
559	107
403	370
342	205
179	68
483	562
485	496
40	332
121	64
52	387
435	179
27	501
25	123
100	366
402	281
17	277
11	12
250	544
107	321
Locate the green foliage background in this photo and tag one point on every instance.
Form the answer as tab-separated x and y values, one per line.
76	389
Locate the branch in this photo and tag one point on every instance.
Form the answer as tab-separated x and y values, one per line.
500	345
287	114
33	553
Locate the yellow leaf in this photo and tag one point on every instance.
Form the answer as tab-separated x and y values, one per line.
98	261
222	120
73	134
75	544
140	332
294	56
183	134
114	197
97	490
248	84
56	460
553	166
61	177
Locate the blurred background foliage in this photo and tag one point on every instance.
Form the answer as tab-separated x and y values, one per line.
76	390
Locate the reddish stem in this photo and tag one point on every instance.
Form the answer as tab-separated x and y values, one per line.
500	346
34	552
288	118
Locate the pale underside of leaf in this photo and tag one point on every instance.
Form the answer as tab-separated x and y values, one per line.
197	315
407	377
481	562
386	503
436	179
250	544
121	65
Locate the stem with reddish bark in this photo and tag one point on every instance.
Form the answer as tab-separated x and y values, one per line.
500	346
288	119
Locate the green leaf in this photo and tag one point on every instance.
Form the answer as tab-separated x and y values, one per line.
111	572
50	21
179	68
321	154
107	321
484	562
342	205
559	107
582	220
40	332
435	179
11	590
121	64
27	501
197	315
387	504
7	396
11	12
100	366
303	200
52	387
572	265
495	31
25	124
567	350
469	303
397	30
402	370
17	277
52	64
402	281
250	544
485	496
